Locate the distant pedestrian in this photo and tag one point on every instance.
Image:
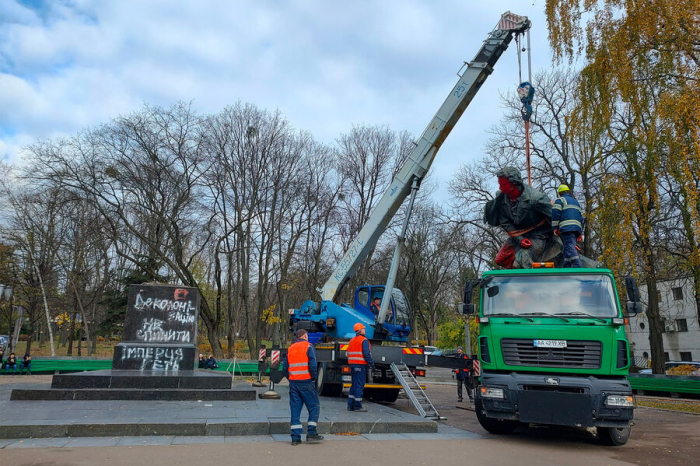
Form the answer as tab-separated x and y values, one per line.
359	357
11	363
202	362
211	362
26	364
300	369
567	222
462	376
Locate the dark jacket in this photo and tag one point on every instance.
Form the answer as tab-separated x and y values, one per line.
566	215
529	209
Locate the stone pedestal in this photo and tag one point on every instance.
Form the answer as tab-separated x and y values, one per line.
158	352
160	330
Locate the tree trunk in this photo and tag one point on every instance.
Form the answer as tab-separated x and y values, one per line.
71	334
656	325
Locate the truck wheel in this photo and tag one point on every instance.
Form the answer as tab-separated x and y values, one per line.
614	436
323	387
494	426
390	395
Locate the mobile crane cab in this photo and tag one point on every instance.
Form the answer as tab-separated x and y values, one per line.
327	321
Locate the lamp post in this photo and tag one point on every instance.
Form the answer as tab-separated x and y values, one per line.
6	295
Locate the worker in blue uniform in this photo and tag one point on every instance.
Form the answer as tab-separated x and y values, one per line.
300	368
359	358
567	222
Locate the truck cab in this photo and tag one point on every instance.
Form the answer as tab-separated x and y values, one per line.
553	350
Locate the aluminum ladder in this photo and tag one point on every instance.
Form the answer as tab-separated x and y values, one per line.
415	393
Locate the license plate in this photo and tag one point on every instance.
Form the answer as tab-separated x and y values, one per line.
550	343
347	378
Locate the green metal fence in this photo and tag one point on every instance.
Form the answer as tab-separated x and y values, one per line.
68	364
663	384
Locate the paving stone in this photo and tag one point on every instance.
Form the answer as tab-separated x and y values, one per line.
384	436
237	427
403	427
113	428
281	427
343	438
145	440
93	442
249	438
435	436
149	428
198	440
4	443
39	443
34	428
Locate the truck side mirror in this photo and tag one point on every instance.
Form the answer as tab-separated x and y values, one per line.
468	290
634	308
632	289
468	309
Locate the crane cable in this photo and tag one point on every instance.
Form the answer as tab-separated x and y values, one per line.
526	91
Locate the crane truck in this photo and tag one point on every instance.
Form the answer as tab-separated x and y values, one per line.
330	324
553	350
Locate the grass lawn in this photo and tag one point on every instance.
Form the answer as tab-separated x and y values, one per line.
683	406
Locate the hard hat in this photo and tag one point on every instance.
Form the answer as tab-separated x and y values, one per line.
562	188
358	326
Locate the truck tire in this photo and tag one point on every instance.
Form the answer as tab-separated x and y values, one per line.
391	395
383	395
493	426
614	436
323	387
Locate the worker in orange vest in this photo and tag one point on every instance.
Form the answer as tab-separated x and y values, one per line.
300	368
359	357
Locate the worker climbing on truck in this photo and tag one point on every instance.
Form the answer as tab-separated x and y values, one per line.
526	215
359	357
567	222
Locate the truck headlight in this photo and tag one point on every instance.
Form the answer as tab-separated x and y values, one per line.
621	401
488	392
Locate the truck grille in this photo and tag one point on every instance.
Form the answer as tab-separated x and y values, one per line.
577	354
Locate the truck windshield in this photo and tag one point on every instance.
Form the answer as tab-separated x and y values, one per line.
552	294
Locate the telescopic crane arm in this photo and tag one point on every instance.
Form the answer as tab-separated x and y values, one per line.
418	163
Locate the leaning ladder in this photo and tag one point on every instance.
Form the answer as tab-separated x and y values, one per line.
415	393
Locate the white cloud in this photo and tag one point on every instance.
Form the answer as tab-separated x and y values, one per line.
325	65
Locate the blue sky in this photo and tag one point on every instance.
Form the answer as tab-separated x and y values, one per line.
69	64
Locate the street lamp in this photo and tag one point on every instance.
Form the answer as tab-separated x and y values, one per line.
6	295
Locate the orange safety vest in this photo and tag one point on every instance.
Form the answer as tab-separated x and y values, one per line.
298	361
355	350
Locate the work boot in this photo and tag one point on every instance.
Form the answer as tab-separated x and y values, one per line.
314	438
296	441
459	400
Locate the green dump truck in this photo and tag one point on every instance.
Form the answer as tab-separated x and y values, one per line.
553	350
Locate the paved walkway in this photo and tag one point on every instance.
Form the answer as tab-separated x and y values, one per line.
176	421
444	433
